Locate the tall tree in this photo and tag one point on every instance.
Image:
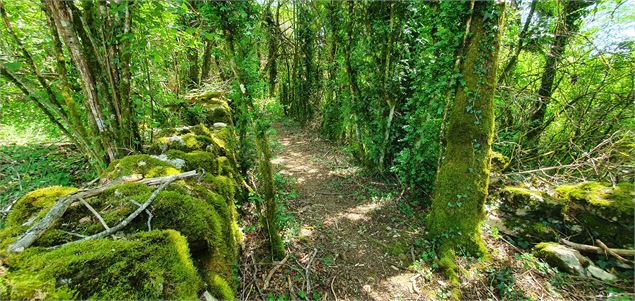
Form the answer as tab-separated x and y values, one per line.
566	27
236	25
97	36
463	176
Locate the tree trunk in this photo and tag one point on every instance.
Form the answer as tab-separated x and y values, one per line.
193	70
519	45
566	27
463	176
62	16
207	60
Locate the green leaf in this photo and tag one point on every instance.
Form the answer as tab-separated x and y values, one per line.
13	66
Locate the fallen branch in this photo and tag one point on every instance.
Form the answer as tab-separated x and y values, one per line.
273	271
307	271
58	210
332	289
612	253
147	211
413	280
596	250
95	213
126	221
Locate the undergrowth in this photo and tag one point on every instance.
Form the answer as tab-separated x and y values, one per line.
24	168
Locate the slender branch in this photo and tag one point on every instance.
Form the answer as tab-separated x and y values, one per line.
147	211
596	250
612	253
95	213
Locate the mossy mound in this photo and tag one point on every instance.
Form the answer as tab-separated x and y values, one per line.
28	208
147	166
522	201
219	141
149	265
564	258
209	112
196	160
583	212
604	211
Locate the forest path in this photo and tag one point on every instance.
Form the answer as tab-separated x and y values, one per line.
362	241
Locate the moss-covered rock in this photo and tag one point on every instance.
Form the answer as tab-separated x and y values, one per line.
522	202
35	204
196	160
209	113
529	214
30	208
187	143
148	265
604	211
150	257
565	259
145	165
219	141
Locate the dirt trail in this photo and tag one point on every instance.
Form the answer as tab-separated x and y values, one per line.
363	243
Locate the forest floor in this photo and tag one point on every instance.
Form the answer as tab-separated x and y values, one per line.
348	230
354	237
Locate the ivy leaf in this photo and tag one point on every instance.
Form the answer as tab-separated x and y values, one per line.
13	66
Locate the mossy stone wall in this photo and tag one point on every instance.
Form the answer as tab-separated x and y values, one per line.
188	245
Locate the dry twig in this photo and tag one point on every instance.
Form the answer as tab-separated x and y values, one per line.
332	289
307	271
95	213
613	253
273	271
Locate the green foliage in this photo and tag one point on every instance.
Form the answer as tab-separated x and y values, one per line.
504	280
29	167
22	122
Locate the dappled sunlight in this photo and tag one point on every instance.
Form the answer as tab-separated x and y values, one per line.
355	214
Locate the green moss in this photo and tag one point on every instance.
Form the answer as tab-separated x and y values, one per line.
498	161
602	210
208	113
601	195
226	167
222	185
161	171
34	205
201	130
151	265
525	202
187	143
447	261
138	164
196	160
564	258
220	289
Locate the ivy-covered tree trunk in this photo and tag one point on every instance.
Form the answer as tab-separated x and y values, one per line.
234	22
463	176
272	45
